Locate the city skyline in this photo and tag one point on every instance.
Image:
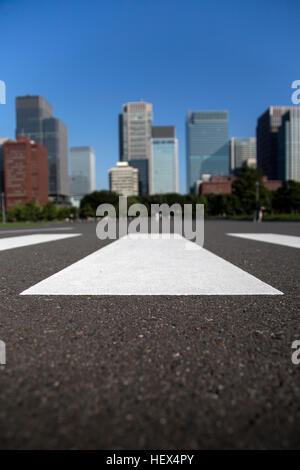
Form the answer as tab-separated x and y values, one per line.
87	91
48	117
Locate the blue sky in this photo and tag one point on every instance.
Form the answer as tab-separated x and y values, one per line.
89	57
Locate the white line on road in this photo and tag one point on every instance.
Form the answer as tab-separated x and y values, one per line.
22	230
277	239
27	240
145	266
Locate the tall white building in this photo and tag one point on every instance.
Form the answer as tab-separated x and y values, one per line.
82	165
242	152
124	179
135	124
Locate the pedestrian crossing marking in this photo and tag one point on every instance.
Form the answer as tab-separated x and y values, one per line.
27	240
139	265
277	239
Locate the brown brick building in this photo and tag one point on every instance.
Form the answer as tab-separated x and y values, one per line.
223	185
25	172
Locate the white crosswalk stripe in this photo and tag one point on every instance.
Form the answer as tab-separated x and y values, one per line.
45	229
145	266
27	240
277	239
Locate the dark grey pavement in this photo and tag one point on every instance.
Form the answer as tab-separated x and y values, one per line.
151	372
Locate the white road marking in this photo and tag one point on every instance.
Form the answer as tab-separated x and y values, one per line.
277	239
144	266
23	230
27	240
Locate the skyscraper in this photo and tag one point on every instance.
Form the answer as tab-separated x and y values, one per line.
25	172
135	124
289	146
124	179
82	171
242	152
35	120
31	111
164	161
207	145
267	140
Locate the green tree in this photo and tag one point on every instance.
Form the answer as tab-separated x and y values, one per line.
17	214
90	202
286	199
49	211
244	189
33	211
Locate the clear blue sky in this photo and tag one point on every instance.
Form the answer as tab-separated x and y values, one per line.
89	57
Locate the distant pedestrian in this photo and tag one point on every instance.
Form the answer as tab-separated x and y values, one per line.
260	215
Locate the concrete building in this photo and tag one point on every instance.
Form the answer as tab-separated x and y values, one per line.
124	179
82	171
289	146
25	172
164	160
35	120
223	185
135	124
267	128
207	145
242	152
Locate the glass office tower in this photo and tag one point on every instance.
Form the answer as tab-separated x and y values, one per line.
289	146
164	162
207	145
82	168
135	124
267	128
30	112
35	120
55	139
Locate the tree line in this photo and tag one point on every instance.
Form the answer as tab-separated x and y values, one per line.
241	203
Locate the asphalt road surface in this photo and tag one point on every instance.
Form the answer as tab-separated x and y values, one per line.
150	371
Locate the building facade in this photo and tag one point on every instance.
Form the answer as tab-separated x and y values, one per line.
30	113
2	141
223	185
82	171
267	128
289	146
207	145
35	120
124	179
25	172
242	152
135	124
164	160
55	139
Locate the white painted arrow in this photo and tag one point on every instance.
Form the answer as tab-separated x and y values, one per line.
27	240
141	265
277	239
